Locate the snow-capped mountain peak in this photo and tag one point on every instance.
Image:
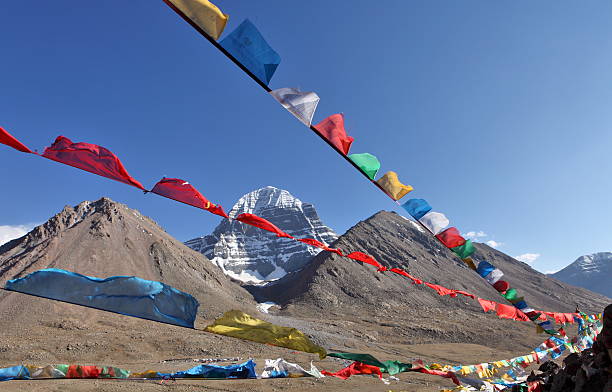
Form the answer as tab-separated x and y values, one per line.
593	272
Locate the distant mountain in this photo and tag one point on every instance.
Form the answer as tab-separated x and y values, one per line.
593	272
251	255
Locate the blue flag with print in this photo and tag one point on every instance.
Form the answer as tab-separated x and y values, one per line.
249	47
126	295
417	208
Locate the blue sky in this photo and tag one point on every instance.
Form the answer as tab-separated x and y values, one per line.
497	113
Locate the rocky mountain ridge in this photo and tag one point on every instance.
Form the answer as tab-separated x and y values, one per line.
593	272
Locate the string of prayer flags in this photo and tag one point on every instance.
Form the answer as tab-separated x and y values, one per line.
183	191
204	14
9	140
126	295
249	47
261	223
417	208
301	104
392	186
367	162
89	157
391	367
451	237
353	369
434	222
366	259
332	129
240	325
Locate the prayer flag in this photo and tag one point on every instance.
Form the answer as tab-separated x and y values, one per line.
510	294
484	268
204	14
441	290
262	223
392	186
494	276
417	208
240	325
181	190
406	274
126	295
243	370
89	157
469	262
249	47
368	163
451	237
434	222
301	104
320	245
391	367
9	140
501	286
355	368
486	304
465	250
366	259
332	129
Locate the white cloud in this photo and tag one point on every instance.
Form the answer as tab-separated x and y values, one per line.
475	234
8	233
527	257
551	271
494	244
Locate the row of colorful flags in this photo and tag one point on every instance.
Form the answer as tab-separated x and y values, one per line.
250	51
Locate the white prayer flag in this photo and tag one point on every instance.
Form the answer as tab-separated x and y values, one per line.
301	104
434	221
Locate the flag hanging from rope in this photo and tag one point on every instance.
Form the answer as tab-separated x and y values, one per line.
249	47
332	129
89	157
451	237
181	190
301	104
9	140
368	163
204	14
434	221
392	186
417	208
262	223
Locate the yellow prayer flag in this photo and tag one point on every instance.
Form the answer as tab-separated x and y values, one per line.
390	183
204	14
470	263
240	325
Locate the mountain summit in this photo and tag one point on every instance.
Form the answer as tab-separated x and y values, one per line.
252	255
590	271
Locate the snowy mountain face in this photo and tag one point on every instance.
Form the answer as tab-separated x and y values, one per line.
252	255
593	272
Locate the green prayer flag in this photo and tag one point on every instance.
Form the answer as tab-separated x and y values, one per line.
464	251
391	367
510	294
368	163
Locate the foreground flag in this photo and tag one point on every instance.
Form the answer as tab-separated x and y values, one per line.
301	104
248	46
240	325
366	259
417	208
464	251
392	186
451	237
434	221
391	367
181	190
320	245
9	140
332	129
204	14
261	223
89	157
353	369
126	295
368	163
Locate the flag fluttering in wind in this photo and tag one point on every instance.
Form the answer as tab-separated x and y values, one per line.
181	190
301	104
353	369
367	162
9	140
332	129
262	223
126	295
249	47
89	157
359	256
451	237
417	208
391	367
240	325
394	188
434	221
464	251
204	14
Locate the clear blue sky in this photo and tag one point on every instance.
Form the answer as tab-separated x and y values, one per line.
498	113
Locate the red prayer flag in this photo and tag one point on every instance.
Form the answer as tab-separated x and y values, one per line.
320	245
486	304
501	285
366	259
465	293
355	368
506	311
89	157
9	140
78	371
451	237
418	367
257	221
406	274
441	290
181	190
332	129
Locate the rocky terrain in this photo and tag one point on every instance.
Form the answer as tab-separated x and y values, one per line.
251	255
593	272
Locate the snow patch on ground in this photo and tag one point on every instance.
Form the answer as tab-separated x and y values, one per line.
416	225
264	307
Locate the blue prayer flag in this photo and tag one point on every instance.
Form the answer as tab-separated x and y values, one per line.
126	295
417	208
484	268
243	370
14	373
248	46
